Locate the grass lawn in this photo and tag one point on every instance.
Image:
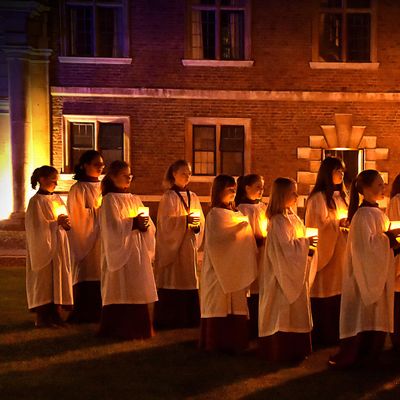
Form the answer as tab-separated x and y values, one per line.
71	363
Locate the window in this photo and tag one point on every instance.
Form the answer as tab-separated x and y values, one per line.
344	31
219	30
95	28
218	146
108	135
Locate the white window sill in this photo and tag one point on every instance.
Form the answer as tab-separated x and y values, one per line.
94	60
202	178
343	65
218	63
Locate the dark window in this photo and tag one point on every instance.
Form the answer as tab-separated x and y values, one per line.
232	149
110	142
204	143
82	139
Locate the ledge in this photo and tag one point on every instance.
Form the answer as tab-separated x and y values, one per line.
94	60
218	63
344	65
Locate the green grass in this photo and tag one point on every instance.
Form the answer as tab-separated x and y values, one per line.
72	363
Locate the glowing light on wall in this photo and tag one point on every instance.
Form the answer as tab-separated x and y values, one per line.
5	167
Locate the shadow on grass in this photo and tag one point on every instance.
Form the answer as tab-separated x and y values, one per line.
169	372
347	384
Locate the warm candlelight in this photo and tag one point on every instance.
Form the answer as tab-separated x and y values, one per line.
59	209
264	226
195	213
342	214
144	211
240	218
311	232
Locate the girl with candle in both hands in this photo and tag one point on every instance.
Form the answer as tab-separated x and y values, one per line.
326	209
366	310
229	268
84	199
248	200
128	241
48	262
180	229
285	320
393	212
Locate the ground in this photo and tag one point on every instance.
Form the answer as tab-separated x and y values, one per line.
72	363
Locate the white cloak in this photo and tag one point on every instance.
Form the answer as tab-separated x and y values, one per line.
331	244
285	278
229	266
393	212
176	265
127	275
48	261
368	276
84	199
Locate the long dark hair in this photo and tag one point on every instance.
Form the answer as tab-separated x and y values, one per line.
395	186
42	172
364	179
276	204
220	183
169	179
107	184
86	158
242	182
324	183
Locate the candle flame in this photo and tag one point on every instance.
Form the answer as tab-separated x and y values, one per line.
59	209
341	213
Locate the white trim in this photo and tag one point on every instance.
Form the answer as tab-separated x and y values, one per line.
94	60
248	95
218	63
370	66
4	106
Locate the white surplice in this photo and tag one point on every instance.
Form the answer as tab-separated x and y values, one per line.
368	275
285	278
84	199
48	261
127	275
176	265
331	243
230	264
393	212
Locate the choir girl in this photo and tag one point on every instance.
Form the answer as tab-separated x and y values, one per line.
84	199
326	209
366	312
248	200
48	262
127	281
180	229
285	320
229	268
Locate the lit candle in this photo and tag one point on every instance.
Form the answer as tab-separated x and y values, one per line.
59	209
394	225
195	213
342	213
311	232
264	226
240	218
144	211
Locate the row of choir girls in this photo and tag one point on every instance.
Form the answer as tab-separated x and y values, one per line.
258	260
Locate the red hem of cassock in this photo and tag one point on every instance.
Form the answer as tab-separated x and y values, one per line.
87	302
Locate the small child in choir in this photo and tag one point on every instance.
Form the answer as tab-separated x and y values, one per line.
48	262
285	320
326	209
128	244
393	213
84	199
229	268
366	311
180	229
248	200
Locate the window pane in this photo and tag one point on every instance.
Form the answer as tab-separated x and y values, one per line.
330	37
80	31
111	155
82	135
232	35
204	163
233	3
111	136
232	138
203	34
204	138
331	3
359	37
232	163
109	32
358	3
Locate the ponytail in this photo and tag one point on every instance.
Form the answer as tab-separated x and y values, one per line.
42	172
354	200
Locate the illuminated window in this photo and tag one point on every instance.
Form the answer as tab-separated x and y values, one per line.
94	28
219	29
345	31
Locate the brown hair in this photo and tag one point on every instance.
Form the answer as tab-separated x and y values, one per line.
220	183
395	186
42	172
280	188
169	179
107	184
86	158
242	182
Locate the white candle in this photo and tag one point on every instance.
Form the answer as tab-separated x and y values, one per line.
394	225
144	211
59	209
264	226
195	213
311	232
342	214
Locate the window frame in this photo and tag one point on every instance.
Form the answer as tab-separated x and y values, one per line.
217	122
96	120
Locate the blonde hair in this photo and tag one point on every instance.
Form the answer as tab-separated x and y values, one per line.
279	191
169	179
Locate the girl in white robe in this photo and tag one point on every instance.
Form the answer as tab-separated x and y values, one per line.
84	199
393	212
127	281
229	268
285	320
248	201
326	209
366	312
48	262
180	228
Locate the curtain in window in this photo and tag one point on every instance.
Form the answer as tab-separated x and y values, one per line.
197	35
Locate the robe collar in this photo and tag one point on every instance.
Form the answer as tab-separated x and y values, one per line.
45	192
246	200
176	188
366	203
86	178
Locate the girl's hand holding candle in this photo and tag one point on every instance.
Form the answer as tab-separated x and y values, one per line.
193	219
312	235
143	218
